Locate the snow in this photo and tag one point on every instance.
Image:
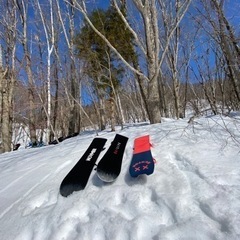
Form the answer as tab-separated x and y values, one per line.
194	192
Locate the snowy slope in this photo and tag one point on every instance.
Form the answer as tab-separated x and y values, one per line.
194	192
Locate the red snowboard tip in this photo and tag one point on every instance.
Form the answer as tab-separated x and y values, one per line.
141	144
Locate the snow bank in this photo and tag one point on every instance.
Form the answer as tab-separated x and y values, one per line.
194	192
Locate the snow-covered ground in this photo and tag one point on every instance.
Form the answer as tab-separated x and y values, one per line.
194	192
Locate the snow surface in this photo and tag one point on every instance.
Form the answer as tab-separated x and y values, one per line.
194	192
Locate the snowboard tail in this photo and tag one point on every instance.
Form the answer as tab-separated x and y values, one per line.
78	176
142	161
109	167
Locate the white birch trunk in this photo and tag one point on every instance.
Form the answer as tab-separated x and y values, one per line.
50	39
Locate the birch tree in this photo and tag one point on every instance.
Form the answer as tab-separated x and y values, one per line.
50	40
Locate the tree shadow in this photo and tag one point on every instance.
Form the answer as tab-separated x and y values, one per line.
140	180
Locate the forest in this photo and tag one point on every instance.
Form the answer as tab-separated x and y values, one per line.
72	65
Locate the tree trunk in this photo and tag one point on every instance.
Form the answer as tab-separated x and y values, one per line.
153	103
7	84
74	123
112	112
22	7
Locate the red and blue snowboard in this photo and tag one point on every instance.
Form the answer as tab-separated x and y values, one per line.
142	161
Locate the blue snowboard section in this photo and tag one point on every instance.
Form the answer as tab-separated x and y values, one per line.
142	163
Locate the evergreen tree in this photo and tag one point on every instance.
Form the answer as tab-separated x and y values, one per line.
103	66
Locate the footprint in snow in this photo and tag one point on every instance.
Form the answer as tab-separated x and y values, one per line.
43	200
185	165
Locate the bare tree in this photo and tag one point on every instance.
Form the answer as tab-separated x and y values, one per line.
74	93
172	54
8	24
222	33
229	45
22	7
50	40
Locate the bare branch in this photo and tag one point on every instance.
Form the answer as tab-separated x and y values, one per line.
82	9
140	44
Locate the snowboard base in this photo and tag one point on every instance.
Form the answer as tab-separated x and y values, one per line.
109	167
78	176
106	177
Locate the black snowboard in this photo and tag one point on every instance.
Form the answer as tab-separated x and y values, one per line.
78	177
109	167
